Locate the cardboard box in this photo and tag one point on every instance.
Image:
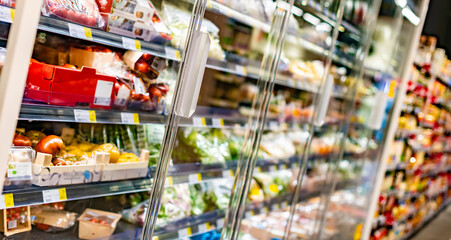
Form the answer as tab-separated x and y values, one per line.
46	175
53	217
69	87
83	58
119	171
90	230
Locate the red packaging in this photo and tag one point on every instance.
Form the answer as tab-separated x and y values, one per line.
69	87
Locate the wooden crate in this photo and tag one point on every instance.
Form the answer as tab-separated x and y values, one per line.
4	224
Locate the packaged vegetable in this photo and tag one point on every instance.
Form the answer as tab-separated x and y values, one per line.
97	224
50	219
83	12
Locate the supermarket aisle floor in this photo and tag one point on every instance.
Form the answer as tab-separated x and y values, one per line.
438	229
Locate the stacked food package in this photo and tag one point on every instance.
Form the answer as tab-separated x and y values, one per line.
416	183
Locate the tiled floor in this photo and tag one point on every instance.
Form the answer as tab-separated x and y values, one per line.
438	229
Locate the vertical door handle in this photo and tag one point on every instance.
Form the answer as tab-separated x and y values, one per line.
196	59
323	103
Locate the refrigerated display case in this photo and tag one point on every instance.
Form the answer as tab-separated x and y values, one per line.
137	134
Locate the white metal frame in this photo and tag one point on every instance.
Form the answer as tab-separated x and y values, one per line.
14	73
393	124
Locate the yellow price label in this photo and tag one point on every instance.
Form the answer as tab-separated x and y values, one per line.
88	33
155	238
92	116
136	118
391	90
178	56
62	194
9	200
169	181
138	45
13	13
259	169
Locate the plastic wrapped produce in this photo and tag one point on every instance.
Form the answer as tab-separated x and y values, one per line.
83	12
50	219
177	21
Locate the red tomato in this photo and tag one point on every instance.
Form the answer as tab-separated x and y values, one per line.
20	140
43	227
155	92
163	88
93	220
51	145
142	67
83	18
144	97
146	57
135	96
66	65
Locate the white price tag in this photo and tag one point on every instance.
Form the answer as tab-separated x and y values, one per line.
19	169
184	232
220	223
130	118
6	14
155	133
273	125
54	195
195	178
78	31
227	173
265	210
12	224
199	122
272	168
275	207
204	227
241	70
283	166
173	54
218	122
283	205
85	115
131	44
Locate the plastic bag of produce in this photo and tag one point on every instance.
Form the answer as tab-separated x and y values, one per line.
177	21
50	219
83	12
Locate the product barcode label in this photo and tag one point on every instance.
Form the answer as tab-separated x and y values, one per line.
173	54
199	122
12	224
102	96
122	96
218	122
139	86
130	118
54	195
184	232
6	14
131	44
195	178
241	70
85	115
19	169
78	31
204	227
